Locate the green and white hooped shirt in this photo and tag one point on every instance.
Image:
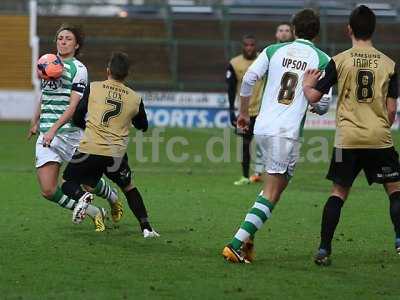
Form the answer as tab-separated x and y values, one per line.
56	94
284	105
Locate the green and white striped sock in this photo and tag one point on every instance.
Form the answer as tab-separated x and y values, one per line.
68	203
255	218
63	200
105	191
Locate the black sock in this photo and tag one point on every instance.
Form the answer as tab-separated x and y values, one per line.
136	205
330	219
395	212
246	156
72	189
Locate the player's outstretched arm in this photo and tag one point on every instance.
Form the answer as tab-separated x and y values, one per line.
79	84
65	117
322	106
246	90
309	82
256	71
313	87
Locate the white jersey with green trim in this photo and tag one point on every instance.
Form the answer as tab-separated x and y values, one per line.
56	94
284	105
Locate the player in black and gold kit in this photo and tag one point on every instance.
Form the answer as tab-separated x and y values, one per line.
234	74
366	109
112	108
236	69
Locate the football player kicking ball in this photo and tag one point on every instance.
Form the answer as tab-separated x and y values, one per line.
112	108
366	109
279	124
59	137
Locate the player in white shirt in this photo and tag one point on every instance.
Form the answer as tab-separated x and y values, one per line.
58	136
279	125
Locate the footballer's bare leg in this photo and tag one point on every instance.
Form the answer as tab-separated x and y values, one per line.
274	185
393	191
48	178
340	191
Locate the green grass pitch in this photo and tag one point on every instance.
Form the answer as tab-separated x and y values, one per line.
196	209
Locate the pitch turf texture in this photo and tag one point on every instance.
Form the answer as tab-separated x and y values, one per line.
196	209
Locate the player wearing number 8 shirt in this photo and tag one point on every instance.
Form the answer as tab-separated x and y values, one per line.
279	125
366	108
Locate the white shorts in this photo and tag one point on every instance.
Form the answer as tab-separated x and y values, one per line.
61	149
276	155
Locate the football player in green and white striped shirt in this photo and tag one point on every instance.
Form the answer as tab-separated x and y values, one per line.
279	124
58	137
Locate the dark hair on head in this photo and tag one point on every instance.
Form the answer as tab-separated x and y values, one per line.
306	24
76	31
119	65
248	36
362	22
284	23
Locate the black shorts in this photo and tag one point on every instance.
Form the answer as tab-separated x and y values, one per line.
379	165
89	168
249	133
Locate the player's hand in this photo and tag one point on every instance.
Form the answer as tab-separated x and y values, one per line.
321	107
33	131
311	77
232	117
243	122
313	110
48	137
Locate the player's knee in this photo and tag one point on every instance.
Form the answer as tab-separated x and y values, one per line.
124	182
340	191
88	188
129	187
275	185
273	194
392	187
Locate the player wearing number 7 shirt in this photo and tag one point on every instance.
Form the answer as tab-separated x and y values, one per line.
112	109
279	125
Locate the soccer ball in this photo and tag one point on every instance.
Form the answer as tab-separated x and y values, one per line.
49	67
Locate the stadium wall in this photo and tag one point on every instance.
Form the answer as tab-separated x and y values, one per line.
15	53
165	56
17	105
168	109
